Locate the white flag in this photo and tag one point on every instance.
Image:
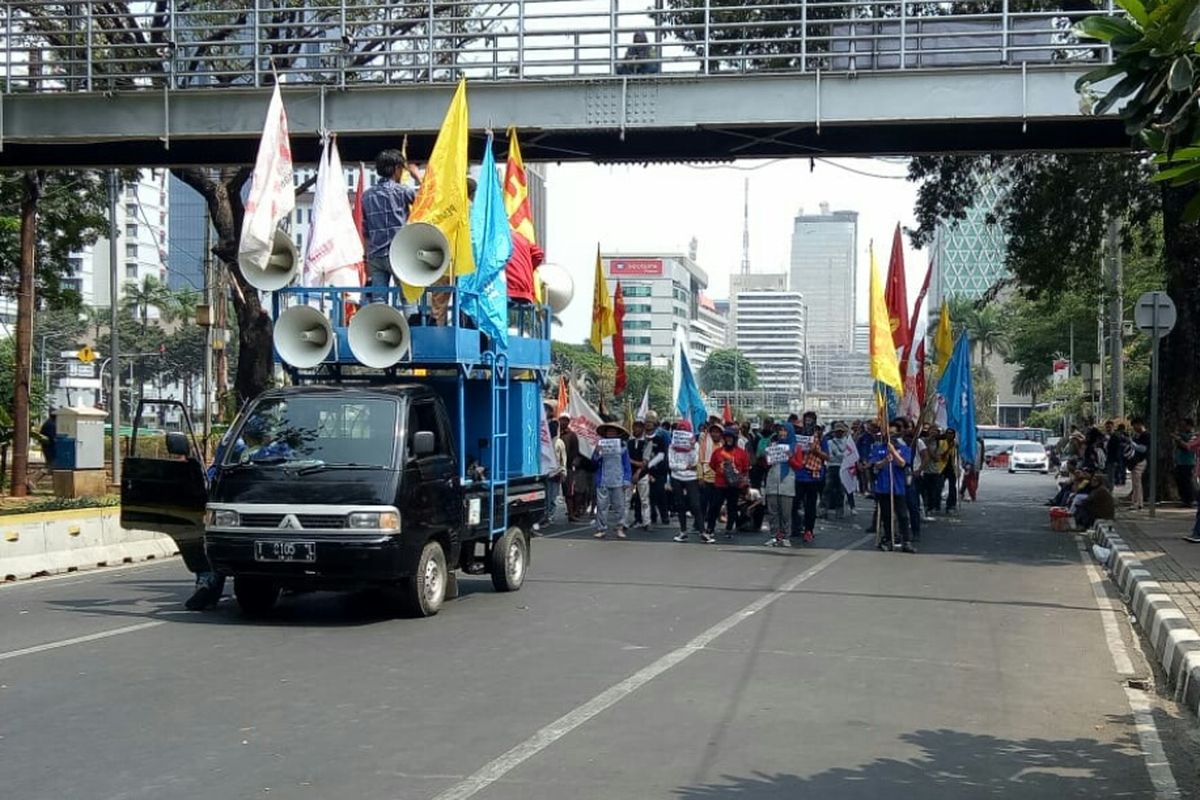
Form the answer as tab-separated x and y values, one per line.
849	471
334	247
272	188
584	421
645	406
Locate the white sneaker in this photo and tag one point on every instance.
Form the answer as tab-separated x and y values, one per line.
707	538
683	537
854	512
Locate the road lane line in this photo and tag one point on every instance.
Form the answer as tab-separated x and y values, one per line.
1157	765
91	637
548	735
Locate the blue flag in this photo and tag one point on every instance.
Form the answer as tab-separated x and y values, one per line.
689	402
956	387
484	292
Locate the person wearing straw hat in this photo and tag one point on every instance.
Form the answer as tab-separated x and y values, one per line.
613	474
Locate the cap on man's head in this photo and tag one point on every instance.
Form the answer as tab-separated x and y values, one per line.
651	417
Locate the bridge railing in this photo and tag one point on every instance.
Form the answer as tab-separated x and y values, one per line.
191	44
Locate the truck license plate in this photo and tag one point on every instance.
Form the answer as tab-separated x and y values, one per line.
278	550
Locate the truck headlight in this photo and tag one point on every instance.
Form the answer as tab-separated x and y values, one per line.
221	518
374	520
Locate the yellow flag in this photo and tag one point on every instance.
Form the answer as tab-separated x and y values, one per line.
943	340
604	324
885	367
442	199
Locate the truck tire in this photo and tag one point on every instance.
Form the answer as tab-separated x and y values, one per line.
510	560
424	592
255	596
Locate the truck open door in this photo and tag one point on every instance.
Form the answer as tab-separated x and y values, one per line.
164	487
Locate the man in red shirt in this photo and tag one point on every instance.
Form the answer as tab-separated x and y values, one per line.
731	467
526	257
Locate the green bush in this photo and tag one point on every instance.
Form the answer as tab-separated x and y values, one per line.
62	504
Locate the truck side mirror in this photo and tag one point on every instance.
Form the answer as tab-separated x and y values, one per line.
423	443
177	444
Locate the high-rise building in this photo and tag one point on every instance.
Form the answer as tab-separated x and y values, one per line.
709	331
969	254
770	334
662	294
862	337
752	282
823	267
187	216
142	223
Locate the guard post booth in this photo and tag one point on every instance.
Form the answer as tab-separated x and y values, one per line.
79	453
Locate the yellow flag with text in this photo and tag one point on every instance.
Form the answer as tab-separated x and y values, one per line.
885	366
604	323
442	199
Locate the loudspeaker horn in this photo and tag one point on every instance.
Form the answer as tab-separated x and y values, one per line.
419	254
378	335
281	268
303	336
557	286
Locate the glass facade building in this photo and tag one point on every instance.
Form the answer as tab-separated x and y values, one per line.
823	266
969	255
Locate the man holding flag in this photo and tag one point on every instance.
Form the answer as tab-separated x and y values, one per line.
889	457
385	208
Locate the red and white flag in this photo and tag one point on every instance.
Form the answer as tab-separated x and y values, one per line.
584	421
335	248
272	189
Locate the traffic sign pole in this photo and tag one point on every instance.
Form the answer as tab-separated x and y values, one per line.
1153	465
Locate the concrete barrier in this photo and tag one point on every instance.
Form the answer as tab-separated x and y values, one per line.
48	542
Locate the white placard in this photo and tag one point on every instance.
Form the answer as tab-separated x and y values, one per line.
682	439
609	447
777	453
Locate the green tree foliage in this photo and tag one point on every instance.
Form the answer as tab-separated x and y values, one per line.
72	213
586	369
721	368
1156	50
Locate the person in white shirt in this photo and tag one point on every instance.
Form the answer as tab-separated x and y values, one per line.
683	458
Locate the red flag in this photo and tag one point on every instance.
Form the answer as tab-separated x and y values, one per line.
618	340
920	376
916	314
895	294
561	407
727	414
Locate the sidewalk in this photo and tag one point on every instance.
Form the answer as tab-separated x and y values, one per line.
1158	544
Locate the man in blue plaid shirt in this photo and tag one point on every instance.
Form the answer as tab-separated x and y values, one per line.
385	209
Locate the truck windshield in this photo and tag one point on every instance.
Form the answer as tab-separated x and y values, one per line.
303	431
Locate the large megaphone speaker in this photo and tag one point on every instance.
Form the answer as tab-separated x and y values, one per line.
303	336
557	286
281	267
378	335
420	254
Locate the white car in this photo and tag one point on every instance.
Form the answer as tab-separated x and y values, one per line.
1029	457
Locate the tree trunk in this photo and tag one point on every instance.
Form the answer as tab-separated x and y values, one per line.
1179	354
24	355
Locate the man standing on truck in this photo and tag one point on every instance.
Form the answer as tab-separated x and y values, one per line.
385	208
613	474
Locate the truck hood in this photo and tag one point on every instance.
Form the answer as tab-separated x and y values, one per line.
332	486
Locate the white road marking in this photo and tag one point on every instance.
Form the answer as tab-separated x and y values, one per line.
91	637
1157	765
501	766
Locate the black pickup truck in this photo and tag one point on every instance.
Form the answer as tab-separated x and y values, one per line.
340	488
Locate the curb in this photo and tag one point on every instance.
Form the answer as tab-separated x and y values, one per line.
1176	644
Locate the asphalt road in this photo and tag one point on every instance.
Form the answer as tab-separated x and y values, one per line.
979	668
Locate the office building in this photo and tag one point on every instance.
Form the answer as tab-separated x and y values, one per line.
770	334
823	267
662	294
709	331
142	223
187	215
862	337
969	254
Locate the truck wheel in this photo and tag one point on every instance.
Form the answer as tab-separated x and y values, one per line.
255	596
425	591
510	560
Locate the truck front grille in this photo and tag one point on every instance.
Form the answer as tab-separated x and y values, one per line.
307	521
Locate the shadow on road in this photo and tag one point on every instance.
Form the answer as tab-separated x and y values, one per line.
960	766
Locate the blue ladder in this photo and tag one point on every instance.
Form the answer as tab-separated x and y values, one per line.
498	364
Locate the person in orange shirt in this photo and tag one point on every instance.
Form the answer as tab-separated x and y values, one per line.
731	468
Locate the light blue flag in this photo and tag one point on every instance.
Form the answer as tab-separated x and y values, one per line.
689	402
484	292
957	387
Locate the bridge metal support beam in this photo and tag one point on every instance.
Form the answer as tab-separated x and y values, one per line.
581	120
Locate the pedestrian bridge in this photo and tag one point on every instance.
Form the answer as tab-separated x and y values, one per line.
177	82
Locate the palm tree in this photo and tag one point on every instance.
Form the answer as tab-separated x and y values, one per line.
988	332
1031	379
139	300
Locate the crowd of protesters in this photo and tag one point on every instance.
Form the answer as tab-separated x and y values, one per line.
778	475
